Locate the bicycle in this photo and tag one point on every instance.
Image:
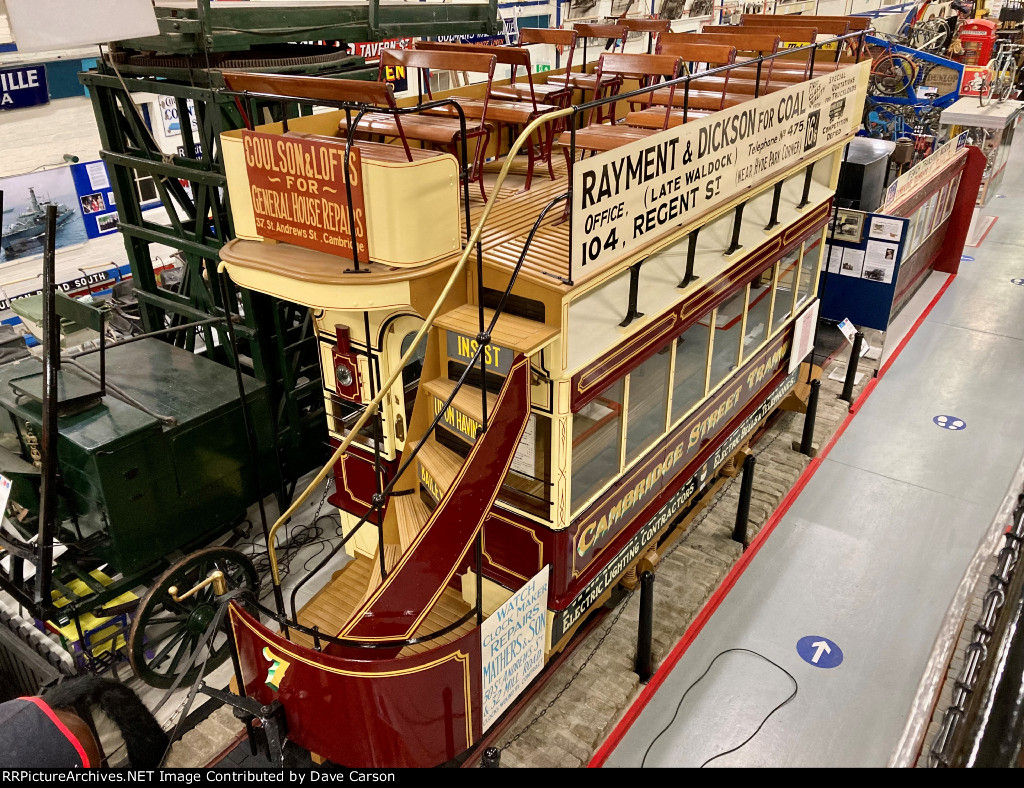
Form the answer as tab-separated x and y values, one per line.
892	73
1000	76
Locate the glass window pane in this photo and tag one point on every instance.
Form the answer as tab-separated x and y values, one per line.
784	289
596	436
691	369
728	327
759	301
648	403
806	288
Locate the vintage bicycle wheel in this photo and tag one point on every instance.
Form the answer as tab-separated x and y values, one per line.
929	36
892	74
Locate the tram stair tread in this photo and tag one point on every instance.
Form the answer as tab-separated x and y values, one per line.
521	335
449	609
334	604
392	553
441	463
467	400
412	514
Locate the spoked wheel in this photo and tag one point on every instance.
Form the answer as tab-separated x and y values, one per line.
892	75
166	633
929	36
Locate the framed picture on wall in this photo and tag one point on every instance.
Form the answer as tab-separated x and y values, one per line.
849	225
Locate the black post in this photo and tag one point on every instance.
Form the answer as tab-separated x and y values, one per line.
491	758
51	367
807	438
739	533
736	226
645	631
851	368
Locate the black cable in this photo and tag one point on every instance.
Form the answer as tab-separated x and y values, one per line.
679	705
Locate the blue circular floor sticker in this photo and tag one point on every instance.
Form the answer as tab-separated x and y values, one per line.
820	652
966	258
950	422
1017	281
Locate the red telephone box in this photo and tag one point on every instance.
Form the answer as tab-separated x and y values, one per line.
978	37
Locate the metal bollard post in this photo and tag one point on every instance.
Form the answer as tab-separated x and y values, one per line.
491	759
851	368
645	632
806	445
739	533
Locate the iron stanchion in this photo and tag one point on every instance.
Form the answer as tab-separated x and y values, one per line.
851	368
645	632
739	533
806	444
491	758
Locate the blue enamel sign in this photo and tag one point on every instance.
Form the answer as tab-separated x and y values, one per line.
820	652
950	422
23	87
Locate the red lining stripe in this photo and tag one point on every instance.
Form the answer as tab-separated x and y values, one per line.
41	704
634	711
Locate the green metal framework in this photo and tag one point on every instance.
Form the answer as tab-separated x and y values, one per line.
277	344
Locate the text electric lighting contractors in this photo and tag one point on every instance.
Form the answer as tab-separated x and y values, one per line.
193	776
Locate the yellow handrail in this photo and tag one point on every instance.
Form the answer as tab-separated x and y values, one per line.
455	277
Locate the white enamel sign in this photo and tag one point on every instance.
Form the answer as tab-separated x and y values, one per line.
627	197
512	646
78	23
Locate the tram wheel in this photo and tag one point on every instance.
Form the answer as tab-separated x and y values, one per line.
165	633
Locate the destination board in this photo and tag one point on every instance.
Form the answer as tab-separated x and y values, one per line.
626	198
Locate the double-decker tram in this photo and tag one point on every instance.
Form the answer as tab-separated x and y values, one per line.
525	393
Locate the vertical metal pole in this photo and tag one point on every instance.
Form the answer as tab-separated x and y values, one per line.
806	196
51	366
851	368
807	438
645	630
776	197
757	83
739	533
249	434
480	576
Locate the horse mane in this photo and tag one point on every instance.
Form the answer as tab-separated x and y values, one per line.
144	739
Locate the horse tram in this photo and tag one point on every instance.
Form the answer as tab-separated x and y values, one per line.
529	382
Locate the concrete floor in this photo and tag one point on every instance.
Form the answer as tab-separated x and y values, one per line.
871	552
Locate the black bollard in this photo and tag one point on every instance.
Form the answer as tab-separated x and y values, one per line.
806	445
851	368
739	533
491	758
645	632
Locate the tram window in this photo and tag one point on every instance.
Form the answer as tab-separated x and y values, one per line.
759	300
806	287
691	369
726	340
647	403
783	308
528	482
345	414
596	438
411	372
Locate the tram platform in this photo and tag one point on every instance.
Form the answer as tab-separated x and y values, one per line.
812	651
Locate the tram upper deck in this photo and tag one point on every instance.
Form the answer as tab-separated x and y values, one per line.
522	393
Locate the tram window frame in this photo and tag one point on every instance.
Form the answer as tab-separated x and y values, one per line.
757	298
814	259
615	407
517	496
741	295
678	343
662	358
793	260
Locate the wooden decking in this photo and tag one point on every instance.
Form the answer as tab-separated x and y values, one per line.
449	609
335	603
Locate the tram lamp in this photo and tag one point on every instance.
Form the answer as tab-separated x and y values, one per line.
346	368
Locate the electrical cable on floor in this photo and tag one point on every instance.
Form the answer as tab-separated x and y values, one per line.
796	688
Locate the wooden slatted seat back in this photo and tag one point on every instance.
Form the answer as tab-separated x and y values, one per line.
355	91
711	56
825	27
422	59
552	37
749	46
507	56
617	33
647	25
855	23
646	68
790	38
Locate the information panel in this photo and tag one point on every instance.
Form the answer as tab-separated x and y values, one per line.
629	196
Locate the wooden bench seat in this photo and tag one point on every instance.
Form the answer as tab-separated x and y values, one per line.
435	129
606	137
517	113
549	93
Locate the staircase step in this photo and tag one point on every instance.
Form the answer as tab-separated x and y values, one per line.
467	402
412	515
335	603
441	466
449	609
521	335
392	553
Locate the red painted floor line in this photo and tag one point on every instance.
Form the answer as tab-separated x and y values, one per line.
634	711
